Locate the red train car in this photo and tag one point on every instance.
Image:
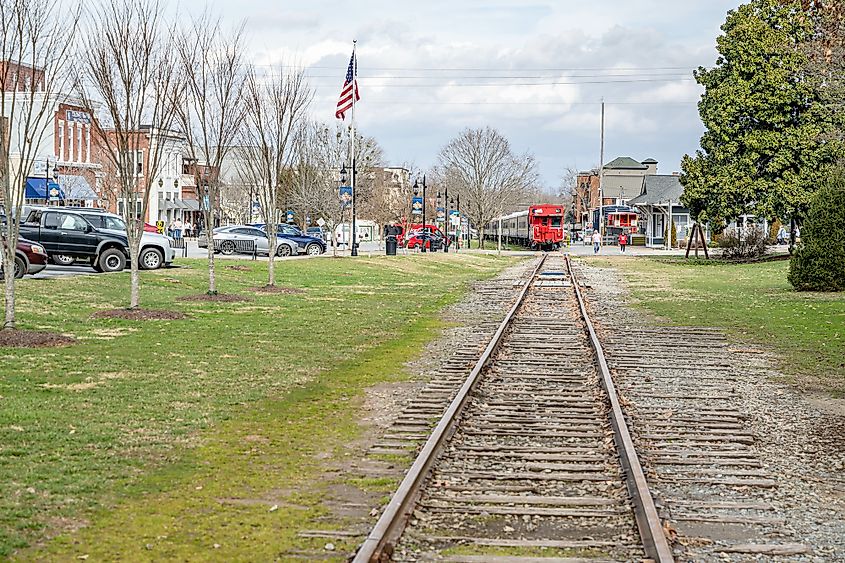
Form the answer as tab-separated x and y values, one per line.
539	228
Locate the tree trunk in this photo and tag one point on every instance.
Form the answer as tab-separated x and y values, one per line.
480	238
9	273
212	281
271	266
135	284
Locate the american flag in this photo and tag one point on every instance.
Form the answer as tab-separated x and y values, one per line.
345	101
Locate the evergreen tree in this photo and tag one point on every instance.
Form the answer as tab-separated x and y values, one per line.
819	262
764	146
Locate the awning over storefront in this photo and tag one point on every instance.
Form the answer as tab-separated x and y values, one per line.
193	205
77	187
40	188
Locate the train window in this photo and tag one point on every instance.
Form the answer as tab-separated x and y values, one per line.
556	222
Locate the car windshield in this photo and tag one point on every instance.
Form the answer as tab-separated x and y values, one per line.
289	230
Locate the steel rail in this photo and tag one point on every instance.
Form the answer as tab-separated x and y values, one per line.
648	521
389	526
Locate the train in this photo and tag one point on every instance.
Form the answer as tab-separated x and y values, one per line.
538	228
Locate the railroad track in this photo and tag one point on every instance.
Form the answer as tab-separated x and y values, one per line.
532	460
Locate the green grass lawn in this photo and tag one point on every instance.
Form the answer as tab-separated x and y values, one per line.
175	439
753	303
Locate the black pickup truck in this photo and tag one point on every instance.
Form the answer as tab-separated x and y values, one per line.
62	232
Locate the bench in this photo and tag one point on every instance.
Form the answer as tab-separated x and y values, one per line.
180	244
236	246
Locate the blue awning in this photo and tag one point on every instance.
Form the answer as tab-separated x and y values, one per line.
77	187
39	188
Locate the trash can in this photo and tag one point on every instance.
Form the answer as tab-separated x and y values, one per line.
390	246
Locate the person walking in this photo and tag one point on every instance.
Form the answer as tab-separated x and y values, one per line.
623	241
188	228
177	228
781	239
596	241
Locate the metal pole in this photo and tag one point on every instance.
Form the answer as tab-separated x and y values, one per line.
499	238
447	218
601	176
460	227
423	218
669	227
354	233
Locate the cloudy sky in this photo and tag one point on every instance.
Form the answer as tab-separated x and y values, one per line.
535	70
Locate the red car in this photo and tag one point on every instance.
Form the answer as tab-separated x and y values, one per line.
404	239
30	258
416	238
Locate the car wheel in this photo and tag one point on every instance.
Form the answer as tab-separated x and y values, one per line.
20	267
227	247
112	260
313	250
63	259
151	259
283	250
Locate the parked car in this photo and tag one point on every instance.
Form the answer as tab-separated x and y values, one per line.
30	258
156	250
402	238
66	232
416	239
305	244
225	238
317	232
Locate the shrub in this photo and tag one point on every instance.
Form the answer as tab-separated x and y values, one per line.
773	231
674	235
818	263
737	245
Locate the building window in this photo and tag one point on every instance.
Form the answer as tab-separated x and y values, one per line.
70	141
79	142
61	140
88	144
139	163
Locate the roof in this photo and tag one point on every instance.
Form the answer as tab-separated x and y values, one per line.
659	188
624	163
650	161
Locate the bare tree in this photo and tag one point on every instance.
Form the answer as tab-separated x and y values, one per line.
320	151
213	71
129	70
36	38
480	165
275	107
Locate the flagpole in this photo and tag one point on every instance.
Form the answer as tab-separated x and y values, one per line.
354	235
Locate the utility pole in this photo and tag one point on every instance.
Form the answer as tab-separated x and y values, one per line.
601	176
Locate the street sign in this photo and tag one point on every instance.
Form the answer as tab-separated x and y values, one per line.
321	221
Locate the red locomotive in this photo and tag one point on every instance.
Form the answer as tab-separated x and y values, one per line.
541	227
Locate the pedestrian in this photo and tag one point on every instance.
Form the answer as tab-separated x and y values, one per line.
781	239
188	228
177	228
623	241
596	241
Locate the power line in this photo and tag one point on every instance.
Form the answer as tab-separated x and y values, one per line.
481	85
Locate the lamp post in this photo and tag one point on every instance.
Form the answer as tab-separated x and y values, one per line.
446	218
344	176
458	226
417	191
438	202
55	173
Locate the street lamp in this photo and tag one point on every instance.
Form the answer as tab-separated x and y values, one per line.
458	233
344	176
416	192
